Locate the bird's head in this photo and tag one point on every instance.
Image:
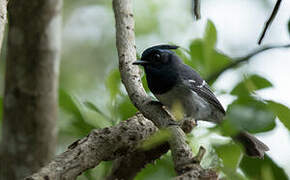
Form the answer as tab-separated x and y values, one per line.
158	56
161	67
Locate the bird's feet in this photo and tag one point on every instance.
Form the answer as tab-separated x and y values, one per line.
187	124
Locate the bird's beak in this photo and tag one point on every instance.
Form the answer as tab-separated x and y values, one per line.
140	62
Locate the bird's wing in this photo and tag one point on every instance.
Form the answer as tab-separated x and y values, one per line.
193	80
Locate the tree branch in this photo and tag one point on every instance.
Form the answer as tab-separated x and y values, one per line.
240	60
125	40
127	167
100	145
270	20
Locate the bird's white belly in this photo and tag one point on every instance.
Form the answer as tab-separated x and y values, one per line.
192	105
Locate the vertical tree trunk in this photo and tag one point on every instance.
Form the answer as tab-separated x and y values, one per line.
3	12
31	83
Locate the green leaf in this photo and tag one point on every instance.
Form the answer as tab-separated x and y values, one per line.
217	62
231	155
247	112
281	111
204	57
210	36
262	168
161	169
196	53
227	128
67	104
253	116
113	83
250	84
77	124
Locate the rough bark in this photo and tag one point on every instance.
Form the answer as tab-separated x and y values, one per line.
121	142
3	12
128	166
100	145
31	83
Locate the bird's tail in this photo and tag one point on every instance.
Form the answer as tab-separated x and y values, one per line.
253	146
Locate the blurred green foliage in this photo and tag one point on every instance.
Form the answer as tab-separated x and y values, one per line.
78	124
281	111
231	155
146	12
92	96
248	112
202	54
161	169
265	169
250	84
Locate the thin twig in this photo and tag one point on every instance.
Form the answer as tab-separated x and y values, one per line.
243	59
270	20
196	9
200	154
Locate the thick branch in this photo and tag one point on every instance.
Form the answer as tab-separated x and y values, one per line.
3	19
31	83
100	145
127	167
240	60
181	152
270	20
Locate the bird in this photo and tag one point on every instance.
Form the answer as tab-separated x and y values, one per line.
171	82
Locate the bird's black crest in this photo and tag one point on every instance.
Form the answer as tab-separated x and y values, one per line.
162	46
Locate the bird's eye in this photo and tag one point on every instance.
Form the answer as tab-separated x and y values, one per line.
157	56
